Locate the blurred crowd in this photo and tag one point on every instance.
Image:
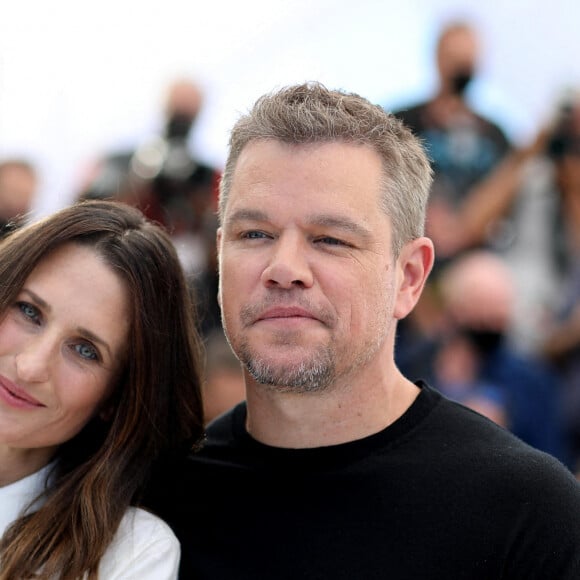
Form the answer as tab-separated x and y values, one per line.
497	329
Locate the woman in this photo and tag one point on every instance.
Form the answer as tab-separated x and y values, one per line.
99	382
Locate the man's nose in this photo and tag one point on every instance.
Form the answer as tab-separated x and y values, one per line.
288	265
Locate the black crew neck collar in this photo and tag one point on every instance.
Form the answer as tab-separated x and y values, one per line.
333	455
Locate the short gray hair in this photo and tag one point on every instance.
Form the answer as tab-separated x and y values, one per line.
310	113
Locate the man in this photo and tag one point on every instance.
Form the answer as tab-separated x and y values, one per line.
18	186
338	467
463	145
464	148
172	186
479	295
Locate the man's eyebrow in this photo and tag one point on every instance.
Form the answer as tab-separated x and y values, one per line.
247	215
341	223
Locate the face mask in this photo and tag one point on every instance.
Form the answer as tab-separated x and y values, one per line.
485	341
460	80
178	126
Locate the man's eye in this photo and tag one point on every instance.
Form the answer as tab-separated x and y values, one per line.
254	235
29	311
86	351
330	241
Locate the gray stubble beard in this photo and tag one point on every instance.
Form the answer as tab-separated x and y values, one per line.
314	375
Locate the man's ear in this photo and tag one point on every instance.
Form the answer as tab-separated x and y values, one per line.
414	264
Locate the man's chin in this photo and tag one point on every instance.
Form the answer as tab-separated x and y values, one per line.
291	374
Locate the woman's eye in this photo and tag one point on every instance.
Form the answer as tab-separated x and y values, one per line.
29	311
86	351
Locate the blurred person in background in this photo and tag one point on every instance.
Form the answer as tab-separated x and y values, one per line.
163	178
224	381
18	187
561	342
534	185
463	145
478	295
562	346
539	186
456	373
472	358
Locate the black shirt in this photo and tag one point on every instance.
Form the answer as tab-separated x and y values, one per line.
442	493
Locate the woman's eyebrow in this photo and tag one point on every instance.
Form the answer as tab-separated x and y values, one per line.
37	299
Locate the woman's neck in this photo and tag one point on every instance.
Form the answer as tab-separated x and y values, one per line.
16	464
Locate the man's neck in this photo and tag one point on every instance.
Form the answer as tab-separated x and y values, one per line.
337	415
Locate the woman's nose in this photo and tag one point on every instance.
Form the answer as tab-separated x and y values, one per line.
33	361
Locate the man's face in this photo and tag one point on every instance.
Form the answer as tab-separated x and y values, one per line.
307	278
17	189
457	57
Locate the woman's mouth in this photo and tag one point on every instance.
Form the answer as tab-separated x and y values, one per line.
15	396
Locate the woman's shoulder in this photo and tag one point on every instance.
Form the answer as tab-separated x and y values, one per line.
143	547
143	523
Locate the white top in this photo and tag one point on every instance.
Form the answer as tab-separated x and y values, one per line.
144	547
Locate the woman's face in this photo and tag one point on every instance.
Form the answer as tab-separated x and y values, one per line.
62	344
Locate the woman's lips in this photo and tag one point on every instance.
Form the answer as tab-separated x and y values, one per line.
15	396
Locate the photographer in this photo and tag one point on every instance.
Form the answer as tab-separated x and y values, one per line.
463	145
169	185
538	187
464	148
165	180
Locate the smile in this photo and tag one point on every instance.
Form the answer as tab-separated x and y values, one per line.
16	397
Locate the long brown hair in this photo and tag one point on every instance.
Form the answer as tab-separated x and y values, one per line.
156	407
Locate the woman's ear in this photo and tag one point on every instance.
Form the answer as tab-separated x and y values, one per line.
414	264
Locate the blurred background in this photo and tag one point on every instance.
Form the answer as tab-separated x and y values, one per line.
78	79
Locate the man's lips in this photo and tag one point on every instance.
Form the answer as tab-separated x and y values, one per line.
286	312
16	394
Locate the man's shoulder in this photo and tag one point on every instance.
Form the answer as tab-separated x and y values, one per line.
470	432
463	435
